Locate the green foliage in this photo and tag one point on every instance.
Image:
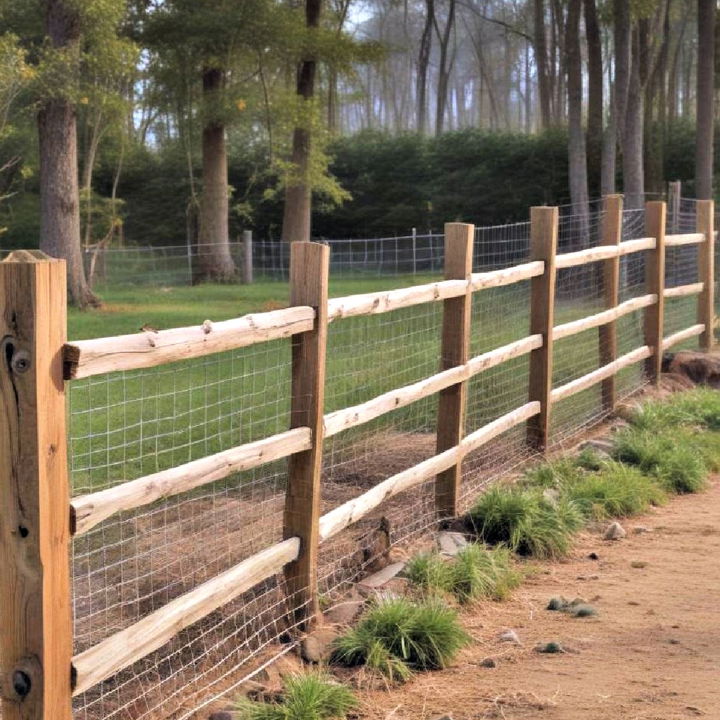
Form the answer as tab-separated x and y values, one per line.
616	490
526	521
554	474
670	456
397	636
696	408
312	696
476	572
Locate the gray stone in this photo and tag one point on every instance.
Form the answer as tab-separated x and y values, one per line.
451	543
615	531
343	613
551	648
317	646
383	576
640	529
509	636
488	662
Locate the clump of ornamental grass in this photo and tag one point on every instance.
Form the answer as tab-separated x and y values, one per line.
697	408
553	474
311	696
615	490
397	636
673	457
430	573
526	521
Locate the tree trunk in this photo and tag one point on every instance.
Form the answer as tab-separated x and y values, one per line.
621	41
595	93
445	67
59	195
705	100
298	193
542	64
633	166
423	64
214	259
576	134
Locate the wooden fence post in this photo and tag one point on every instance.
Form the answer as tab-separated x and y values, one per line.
455	350
309	269
35	614
705	224
543	246
247	268
674	196
607	334
655	212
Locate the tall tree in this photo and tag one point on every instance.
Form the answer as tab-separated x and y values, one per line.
705	99
596	109
423	65
541	61
297	212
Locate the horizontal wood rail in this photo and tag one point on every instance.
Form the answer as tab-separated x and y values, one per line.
603	252
375	303
507	276
685	334
347	418
84	358
683	290
602	318
684	239
596	376
124	648
87	511
353	510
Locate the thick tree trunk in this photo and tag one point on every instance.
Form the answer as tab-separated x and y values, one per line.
445	67
621	41
576	135
297	213
705	100
544	90
633	165
595	93
59	195
214	259
423	64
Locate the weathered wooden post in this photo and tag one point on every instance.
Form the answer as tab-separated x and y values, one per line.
543	246
655	213
309	269
35	614
455	350
607	334
674	195
247	268
705	224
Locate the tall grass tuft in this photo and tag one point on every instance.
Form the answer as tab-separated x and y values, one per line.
479	572
313	696
397	636
698	408
526	521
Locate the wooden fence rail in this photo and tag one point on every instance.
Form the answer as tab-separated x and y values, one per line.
38	675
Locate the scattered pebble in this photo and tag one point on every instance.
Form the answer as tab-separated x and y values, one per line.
551	648
673	641
638	564
593	556
580	611
615	531
509	636
488	662
640	529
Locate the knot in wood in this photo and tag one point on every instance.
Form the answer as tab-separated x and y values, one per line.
20	362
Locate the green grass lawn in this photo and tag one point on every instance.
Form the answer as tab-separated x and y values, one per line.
124	425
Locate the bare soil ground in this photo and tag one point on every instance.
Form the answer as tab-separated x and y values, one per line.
652	653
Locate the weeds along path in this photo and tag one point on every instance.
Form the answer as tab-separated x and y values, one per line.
652	653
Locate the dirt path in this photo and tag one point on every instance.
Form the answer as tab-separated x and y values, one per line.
653	652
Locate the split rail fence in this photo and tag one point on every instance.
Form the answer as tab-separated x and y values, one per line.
39	518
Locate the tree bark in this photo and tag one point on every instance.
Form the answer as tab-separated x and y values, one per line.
57	135
595	92
297	213
621	42
633	165
705	100
576	135
445	67
214	259
541	62
423	64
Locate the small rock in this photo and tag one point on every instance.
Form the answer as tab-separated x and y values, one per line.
379	579
551	648
488	662
593	556
451	543
615	531
640	529
444	717
638	564
673	641
557	604
509	636
343	613
317	646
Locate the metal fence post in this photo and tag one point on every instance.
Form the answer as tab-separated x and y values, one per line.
35	613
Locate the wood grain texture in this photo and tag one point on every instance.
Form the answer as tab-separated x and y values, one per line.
124	648
454	351
682	335
607	333
91	509
309	268
506	276
685	238
543	246
683	290
35	610
705	224
149	349
655	284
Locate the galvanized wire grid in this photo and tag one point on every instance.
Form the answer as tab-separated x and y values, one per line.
126	425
